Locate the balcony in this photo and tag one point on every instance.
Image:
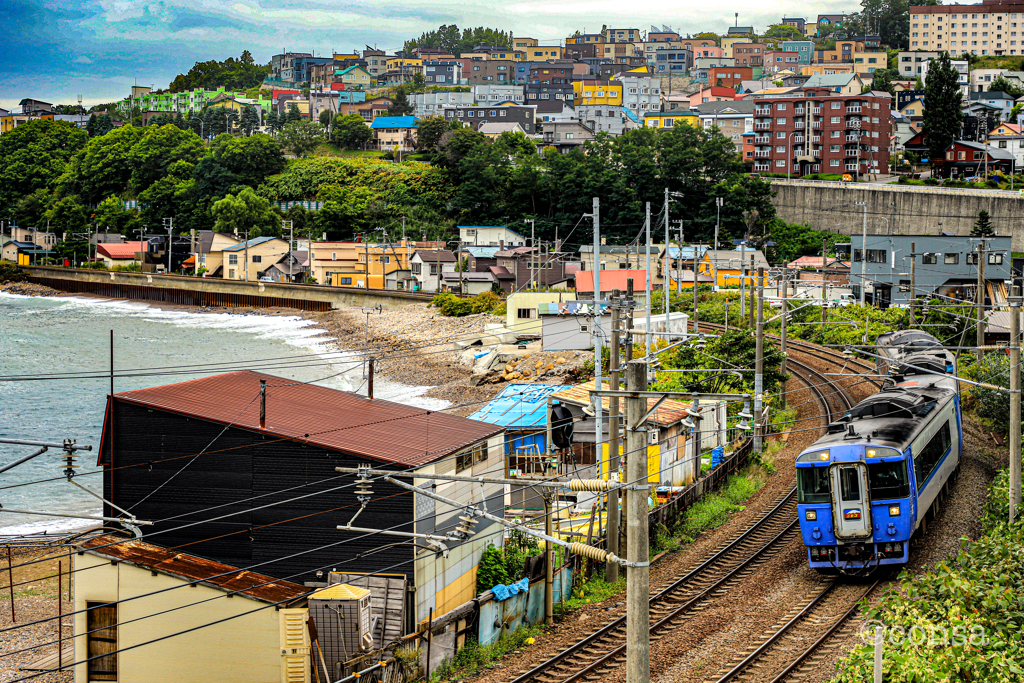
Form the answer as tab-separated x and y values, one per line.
851	167
815	138
762	111
762	154
852	138
762	167
816	125
763	126
853	109
815	110
799	111
798	138
762	139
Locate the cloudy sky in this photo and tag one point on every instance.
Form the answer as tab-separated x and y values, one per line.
55	50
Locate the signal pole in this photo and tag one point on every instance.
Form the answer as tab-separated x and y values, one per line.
665	287
785	308
1015	463
638	628
169	224
980	300
595	330
648	338
913	284
863	248
759	361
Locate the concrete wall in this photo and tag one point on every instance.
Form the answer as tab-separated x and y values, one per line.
910	209
336	297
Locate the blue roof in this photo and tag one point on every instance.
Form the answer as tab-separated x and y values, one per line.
630	115
251	243
394	122
519	406
688	252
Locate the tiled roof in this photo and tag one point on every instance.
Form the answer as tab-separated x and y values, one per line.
119	250
252	243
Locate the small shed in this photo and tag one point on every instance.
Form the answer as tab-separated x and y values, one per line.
341	614
568	325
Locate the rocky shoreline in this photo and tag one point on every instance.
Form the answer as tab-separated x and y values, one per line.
29	289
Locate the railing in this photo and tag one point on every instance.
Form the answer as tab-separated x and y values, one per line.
798	138
901	188
852	138
762	155
816	110
763	111
815	138
762	126
762	140
851	167
853	110
816	125
762	167
798	112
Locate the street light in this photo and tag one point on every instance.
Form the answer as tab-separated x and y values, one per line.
789	160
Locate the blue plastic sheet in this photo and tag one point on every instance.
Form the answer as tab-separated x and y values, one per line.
717	456
503	592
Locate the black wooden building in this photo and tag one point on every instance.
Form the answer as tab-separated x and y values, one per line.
193	458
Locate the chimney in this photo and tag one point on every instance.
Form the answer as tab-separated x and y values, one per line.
501	245
263	404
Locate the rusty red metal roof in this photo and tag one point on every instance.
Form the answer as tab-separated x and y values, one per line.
119	250
337	420
612	279
193	568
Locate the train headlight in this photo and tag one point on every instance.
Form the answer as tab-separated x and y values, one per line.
811	515
894	510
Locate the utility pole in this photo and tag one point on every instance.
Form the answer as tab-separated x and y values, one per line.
289	226
611	569
695	330
743	279
980	300
665	288
759	362
195	257
246	255
824	277
437	267
648	337
679	261
595	330
638	628
458	264
785	308
533	262
913	283
753	306
718	218
863	252
1015	464
169	224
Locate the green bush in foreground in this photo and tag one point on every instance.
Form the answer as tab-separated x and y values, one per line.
453	306
960	621
9	272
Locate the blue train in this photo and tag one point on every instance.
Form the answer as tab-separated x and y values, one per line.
864	488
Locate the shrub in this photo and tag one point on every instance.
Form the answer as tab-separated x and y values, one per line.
931	180
453	306
492	570
9	272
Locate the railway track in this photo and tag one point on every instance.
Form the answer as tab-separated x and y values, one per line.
671	605
799	638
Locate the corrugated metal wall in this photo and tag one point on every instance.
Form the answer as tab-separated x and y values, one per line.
241	465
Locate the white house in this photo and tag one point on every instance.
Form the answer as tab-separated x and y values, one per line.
425	265
490	236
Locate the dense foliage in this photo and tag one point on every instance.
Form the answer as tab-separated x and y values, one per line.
942	111
234	74
451	305
962	619
454	41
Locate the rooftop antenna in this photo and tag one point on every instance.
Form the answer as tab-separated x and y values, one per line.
737	19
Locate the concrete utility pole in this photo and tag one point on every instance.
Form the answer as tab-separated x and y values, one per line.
824	277
169	224
195	256
759	362
864	254
679	261
611	569
648	337
695	330
913	283
753	306
980	300
743	279
665	275
533	262
289	226
1015	463
595	330
718	217
549	554
638	628
785	308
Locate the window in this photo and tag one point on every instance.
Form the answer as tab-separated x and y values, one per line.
101	626
417	268
527	313
928	459
877	256
780	121
995	259
837	105
781	135
346	280
833	162
837	133
257	259
231	273
972	259
929	259
780	162
812	485
474	455
951	259
232	259
781	106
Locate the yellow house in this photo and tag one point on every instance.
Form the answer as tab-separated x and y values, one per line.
725	266
916	109
1006	129
521	314
671	119
246	261
389	267
597	93
354	75
328	259
727	43
211	250
342	57
135	603
399	62
542	53
523	43
826	69
866	62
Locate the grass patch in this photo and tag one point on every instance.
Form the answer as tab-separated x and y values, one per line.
593	590
474	656
715	509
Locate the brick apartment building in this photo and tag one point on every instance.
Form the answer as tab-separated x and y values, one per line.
819	131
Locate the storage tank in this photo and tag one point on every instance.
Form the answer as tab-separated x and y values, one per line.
341	614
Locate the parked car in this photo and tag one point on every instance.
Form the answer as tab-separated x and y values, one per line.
267	278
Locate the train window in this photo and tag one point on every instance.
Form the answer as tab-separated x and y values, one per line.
849	483
888	480
813	485
928	459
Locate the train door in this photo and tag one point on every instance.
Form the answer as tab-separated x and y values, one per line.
851	506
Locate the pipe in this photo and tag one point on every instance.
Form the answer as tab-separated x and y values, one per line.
22	442
25	459
263	404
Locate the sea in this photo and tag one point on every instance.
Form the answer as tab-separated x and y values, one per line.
55	366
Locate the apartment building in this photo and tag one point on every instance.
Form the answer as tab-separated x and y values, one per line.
640	92
622	35
434	103
733	119
672	62
485	72
443	71
816	130
485	95
992	27
749	54
803	49
474	117
597	93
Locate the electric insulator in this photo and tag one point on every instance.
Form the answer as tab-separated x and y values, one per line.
588	551
588	485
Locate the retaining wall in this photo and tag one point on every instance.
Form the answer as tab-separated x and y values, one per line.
180	289
910	209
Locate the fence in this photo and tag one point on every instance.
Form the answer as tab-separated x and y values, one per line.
963	191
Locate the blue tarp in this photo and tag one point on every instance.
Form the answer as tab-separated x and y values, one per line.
503	592
519	406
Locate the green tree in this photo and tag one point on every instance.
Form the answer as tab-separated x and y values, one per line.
104	167
325	118
33	156
273	122
707	35
1001	84
942	113
67	215
430	129
983	226
31	209
111	216
784	32
250	120
344	210
882	82
250	159
246	211
302	137
400	104
158	149
233	74
450	39
293	114
1015	112
351	131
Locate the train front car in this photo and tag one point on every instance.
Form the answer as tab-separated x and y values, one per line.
863	488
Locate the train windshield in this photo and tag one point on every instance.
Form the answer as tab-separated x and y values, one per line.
888	480
812	485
